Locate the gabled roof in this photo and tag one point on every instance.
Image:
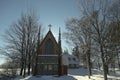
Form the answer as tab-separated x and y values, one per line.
71	61
47	35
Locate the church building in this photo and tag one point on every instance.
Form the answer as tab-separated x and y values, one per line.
48	58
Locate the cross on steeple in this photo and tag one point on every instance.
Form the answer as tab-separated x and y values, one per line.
49	27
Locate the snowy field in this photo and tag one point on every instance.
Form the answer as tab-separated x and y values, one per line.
75	74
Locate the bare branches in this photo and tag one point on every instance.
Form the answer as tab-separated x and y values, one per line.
93	29
21	39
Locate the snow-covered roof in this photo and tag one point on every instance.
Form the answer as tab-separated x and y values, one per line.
73	59
69	59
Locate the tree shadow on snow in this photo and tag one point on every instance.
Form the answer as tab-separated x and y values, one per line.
51	78
79	72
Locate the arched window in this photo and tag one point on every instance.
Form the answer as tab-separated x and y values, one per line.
49	47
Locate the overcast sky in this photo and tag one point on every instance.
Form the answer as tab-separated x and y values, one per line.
54	12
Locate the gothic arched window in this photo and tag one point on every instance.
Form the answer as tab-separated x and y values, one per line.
49	47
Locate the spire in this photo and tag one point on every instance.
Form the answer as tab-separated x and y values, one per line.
59	39
38	43
60	53
39	35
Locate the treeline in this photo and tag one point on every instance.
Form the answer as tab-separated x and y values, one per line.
95	35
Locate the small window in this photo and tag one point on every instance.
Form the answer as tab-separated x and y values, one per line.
49	67
74	59
55	67
69	59
45	67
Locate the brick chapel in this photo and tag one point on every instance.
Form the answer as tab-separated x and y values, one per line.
48	59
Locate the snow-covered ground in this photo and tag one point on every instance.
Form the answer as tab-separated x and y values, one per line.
75	74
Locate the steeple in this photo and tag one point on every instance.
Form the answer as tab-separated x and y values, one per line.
60	52
59	38
39	35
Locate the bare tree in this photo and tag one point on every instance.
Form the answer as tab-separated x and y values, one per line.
96	12
79	33
114	18
21	40
94	26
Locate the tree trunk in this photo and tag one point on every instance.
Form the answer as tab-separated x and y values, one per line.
25	64
103	61
104	71
104	67
88	64
119	65
107	69
99	65
118	60
29	66
21	70
24	69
